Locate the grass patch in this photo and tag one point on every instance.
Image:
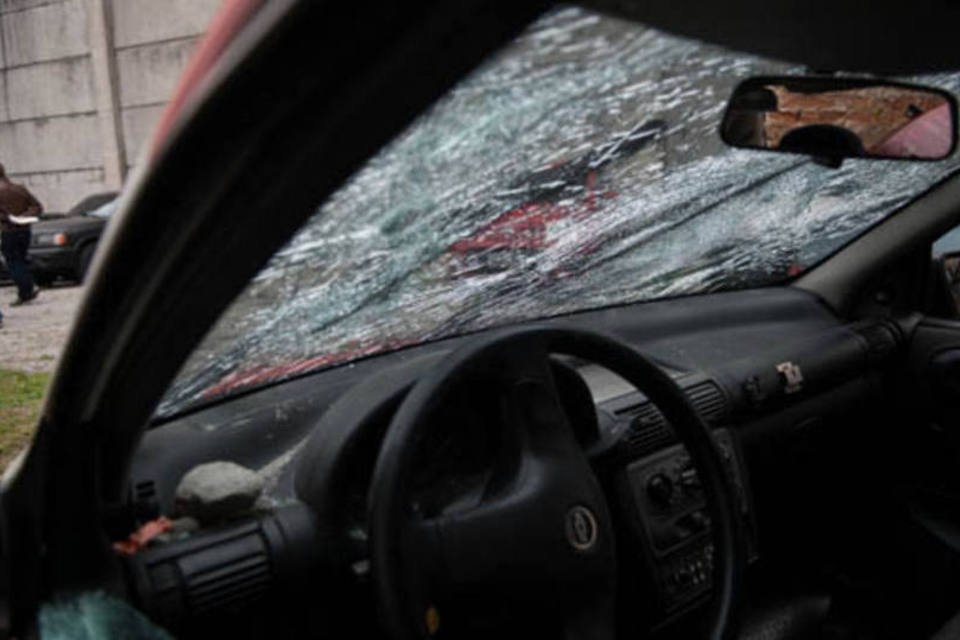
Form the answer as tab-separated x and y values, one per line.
20	396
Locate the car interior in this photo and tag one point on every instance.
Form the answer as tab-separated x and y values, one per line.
773	462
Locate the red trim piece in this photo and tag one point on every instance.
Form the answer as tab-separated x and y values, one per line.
229	20
142	536
255	376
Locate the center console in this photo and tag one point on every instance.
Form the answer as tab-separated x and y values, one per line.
671	520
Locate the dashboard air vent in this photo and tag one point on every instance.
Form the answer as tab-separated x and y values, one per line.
709	401
648	429
241	574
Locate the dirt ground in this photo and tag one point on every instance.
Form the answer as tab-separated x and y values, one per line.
34	334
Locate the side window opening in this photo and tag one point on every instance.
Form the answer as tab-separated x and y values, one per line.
945	275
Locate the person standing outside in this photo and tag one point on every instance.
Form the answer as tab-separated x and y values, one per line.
18	208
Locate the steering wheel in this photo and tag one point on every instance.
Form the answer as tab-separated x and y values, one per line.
542	531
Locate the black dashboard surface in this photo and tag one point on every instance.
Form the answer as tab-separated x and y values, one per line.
734	341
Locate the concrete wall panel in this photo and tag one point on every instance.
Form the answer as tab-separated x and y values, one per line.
51	88
138	124
50	126
50	144
59	191
148	74
46	32
140	21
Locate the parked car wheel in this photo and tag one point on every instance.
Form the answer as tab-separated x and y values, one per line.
43	279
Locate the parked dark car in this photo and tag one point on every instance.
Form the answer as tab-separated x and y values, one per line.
63	246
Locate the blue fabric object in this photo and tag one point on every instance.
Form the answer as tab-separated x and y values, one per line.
94	615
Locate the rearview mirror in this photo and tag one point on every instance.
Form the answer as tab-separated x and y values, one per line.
834	118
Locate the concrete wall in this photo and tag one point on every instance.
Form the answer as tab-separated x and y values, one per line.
54	90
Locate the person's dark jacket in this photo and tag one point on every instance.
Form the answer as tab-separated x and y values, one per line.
16	200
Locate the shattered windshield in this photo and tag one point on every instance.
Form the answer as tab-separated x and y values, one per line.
580	167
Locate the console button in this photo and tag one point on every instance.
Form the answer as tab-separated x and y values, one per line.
689	479
694	522
660	489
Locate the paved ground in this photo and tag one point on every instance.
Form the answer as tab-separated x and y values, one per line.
33	335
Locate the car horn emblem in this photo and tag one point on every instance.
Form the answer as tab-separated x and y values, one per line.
581	528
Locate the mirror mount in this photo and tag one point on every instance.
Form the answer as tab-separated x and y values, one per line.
831	162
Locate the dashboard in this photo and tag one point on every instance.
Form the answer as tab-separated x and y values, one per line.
769	365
